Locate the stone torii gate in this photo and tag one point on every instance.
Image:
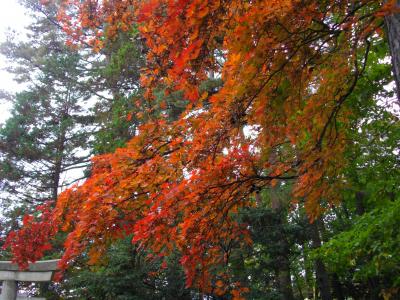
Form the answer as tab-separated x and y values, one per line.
10	274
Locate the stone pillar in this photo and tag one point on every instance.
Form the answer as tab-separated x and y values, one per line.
9	290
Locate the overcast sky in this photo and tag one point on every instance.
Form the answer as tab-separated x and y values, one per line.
12	17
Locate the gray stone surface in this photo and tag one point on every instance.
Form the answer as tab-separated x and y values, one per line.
10	274
44	265
26	276
9	290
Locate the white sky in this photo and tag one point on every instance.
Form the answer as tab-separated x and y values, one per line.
12	17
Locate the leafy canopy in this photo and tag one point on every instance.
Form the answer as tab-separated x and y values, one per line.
287	70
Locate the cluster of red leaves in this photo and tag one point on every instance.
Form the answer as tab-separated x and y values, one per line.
33	239
287	68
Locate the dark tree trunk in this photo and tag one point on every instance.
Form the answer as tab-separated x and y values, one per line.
337	287
283	262
284	280
308	273
320	272
322	280
56	179
59	158
360	209
393	34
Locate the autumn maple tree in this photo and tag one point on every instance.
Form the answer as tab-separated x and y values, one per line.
287	68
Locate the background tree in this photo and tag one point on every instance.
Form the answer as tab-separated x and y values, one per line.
47	136
45	144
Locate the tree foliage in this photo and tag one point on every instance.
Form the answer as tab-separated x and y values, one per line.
285	112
